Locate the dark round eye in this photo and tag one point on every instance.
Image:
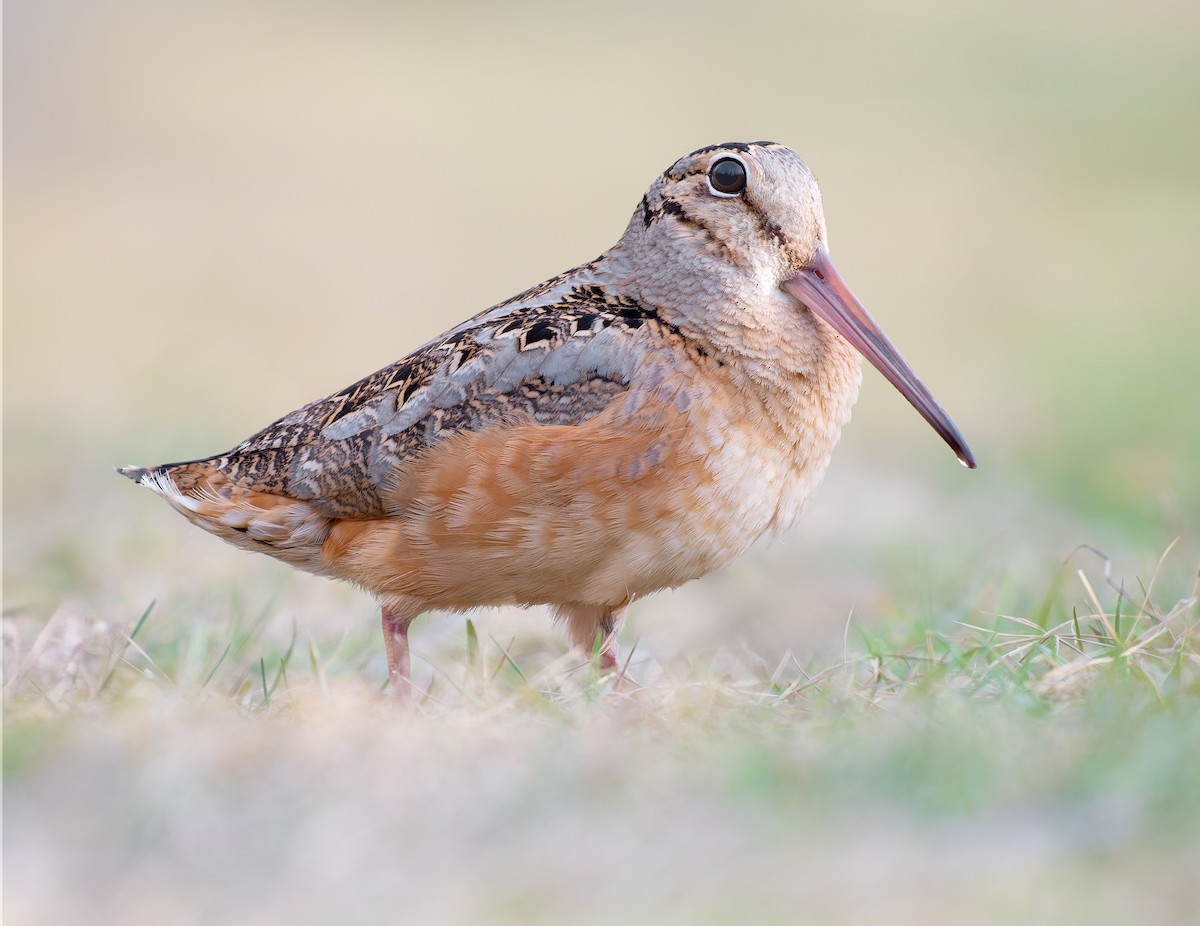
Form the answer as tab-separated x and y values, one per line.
728	175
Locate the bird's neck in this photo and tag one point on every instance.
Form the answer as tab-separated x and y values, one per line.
803	374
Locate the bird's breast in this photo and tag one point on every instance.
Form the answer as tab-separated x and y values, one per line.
751	454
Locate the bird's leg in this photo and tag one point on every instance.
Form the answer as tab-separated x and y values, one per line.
398	613
610	652
587	621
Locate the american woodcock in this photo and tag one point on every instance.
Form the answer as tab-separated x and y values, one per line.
624	427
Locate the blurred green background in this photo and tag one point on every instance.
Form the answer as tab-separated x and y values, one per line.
216	212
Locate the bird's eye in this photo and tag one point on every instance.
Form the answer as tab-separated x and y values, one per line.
727	176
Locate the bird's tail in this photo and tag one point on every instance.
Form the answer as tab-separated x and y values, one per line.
286	528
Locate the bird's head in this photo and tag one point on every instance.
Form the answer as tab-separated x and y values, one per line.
730	243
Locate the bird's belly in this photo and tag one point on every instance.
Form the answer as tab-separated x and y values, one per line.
728	483
599	513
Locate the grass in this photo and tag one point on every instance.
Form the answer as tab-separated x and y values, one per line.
1044	655
1017	765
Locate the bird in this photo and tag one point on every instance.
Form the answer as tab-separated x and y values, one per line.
624	427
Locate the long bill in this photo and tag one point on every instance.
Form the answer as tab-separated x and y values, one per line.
821	288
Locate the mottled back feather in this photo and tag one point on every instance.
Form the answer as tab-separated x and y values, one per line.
545	362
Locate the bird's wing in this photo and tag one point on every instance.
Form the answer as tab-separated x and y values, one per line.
560	362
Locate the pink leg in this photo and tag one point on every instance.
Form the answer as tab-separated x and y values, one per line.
609	652
396	618
586	621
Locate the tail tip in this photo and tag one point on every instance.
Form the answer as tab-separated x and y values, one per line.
136	473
